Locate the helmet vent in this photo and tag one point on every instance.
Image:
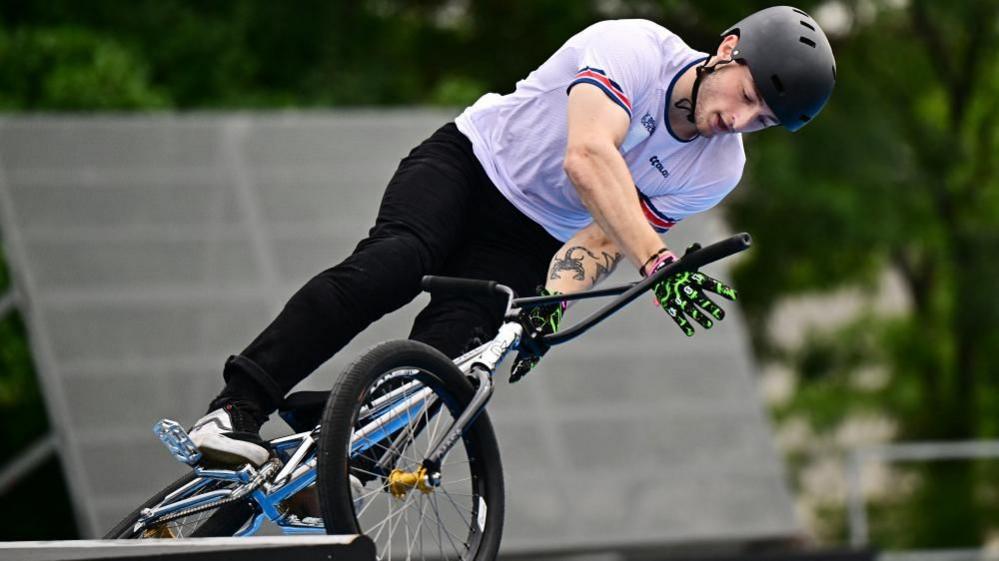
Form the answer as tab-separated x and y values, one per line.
807	41
808	25
834	73
777	84
802	13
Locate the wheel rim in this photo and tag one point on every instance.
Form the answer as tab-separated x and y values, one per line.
414	519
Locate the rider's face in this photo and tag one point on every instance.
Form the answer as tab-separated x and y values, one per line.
728	101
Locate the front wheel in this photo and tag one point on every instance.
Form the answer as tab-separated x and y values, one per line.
382	418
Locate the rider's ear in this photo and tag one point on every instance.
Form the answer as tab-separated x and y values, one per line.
727	45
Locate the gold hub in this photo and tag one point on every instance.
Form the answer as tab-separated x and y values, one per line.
401	482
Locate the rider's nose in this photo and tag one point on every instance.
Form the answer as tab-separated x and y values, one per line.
740	120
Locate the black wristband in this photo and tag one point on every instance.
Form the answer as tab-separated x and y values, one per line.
651	260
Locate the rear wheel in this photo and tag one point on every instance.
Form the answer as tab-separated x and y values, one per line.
370	473
225	520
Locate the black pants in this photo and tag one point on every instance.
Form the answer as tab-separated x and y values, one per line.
440	215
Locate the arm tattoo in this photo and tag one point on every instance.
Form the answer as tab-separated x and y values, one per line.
573	262
570	263
607	266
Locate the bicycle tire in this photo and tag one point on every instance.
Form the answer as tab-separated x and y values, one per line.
222	522
436	371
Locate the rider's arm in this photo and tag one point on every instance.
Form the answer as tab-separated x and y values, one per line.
597	127
585	260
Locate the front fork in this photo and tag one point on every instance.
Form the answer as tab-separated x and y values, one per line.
481	367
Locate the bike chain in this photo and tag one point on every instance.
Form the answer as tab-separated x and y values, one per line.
197	509
237	496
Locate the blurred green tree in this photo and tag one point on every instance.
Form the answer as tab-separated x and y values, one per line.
900	172
71	68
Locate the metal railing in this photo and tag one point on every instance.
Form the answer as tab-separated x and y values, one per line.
37	453
909	452
29	460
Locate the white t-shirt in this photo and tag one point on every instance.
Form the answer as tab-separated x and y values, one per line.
520	137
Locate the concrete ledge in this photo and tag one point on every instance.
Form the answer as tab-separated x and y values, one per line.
286	548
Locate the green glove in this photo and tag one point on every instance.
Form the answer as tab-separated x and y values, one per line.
547	319
683	295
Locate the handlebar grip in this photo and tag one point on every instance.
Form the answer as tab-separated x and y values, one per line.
717	251
696	259
431	283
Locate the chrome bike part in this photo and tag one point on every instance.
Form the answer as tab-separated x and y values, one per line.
220	519
175	438
243	475
303	449
249	478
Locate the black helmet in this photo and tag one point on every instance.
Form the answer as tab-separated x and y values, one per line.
790	60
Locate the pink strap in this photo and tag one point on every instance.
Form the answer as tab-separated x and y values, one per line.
663	257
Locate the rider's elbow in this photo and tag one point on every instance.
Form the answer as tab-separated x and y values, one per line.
573	159
579	163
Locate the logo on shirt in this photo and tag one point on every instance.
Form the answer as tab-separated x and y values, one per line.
656	163
649	123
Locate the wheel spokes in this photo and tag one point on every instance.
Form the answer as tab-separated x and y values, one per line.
403	527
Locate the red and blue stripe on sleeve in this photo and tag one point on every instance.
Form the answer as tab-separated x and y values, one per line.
597	77
659	221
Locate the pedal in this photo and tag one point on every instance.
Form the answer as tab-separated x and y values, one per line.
175	438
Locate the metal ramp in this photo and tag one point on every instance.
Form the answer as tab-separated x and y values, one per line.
300	548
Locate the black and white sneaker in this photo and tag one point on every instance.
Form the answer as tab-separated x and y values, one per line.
230	436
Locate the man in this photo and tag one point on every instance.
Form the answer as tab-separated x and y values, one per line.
623	132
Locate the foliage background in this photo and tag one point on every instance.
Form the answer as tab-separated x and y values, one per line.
891	196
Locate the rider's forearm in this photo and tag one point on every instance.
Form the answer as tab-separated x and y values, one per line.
605	185
585	260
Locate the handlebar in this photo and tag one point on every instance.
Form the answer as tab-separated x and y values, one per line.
690	262
431	283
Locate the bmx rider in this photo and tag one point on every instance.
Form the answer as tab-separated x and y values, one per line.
623	132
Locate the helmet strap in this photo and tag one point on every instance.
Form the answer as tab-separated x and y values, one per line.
702	71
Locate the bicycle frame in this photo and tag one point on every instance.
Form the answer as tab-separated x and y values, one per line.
293	469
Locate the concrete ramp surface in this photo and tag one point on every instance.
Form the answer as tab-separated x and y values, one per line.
298	548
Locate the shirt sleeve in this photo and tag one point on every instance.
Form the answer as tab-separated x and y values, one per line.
659	220
620	58
665	211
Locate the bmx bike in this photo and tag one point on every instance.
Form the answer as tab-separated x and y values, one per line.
400	450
